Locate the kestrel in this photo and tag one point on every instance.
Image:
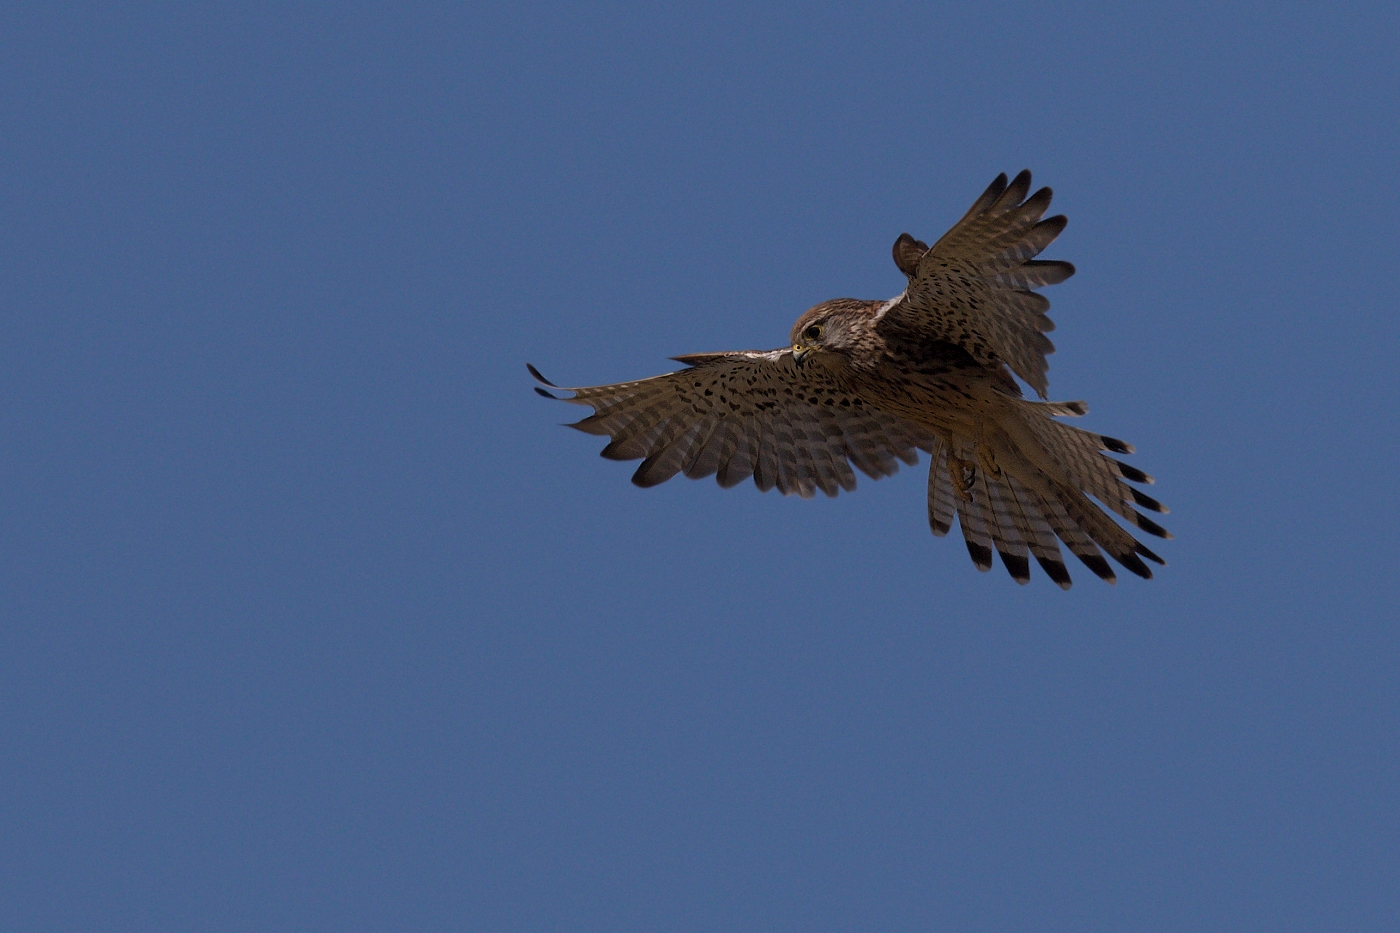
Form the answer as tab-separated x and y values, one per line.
870	383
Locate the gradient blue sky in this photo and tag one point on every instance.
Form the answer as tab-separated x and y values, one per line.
313	619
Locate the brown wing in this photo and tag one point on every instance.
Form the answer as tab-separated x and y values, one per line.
974	287
737	415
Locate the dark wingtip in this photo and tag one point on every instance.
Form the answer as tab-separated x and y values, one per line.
1056	571
1040	203
1134	564
1151	527
1099	566
1150	556
1017	566
1117	446
612	452
988	197
981	555
548	395
644	478
1147	502
1058	221
1133	473
536	373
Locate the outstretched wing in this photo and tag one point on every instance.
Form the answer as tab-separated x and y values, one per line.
975	286
737	415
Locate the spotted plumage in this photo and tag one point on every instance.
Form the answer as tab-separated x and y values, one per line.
869	383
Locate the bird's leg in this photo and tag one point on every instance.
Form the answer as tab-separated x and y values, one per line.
964	472
983	449
964	475
988	460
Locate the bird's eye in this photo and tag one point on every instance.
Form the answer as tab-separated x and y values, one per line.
813	333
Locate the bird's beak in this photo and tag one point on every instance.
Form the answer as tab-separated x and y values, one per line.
800	353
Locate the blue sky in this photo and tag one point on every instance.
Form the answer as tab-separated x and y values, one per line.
315	620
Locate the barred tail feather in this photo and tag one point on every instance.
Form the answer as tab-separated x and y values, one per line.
1039	535
1079	544
1008	535
974	518
941	507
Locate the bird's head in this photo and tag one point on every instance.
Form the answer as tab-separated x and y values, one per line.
831	332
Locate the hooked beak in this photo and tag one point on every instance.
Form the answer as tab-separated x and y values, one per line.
800	353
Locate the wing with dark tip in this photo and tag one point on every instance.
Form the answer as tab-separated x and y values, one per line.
976	286
746	414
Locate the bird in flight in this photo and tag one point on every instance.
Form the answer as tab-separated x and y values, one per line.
869	383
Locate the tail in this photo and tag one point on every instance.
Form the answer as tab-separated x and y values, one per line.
1026	481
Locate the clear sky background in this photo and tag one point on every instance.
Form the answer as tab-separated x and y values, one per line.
312	618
